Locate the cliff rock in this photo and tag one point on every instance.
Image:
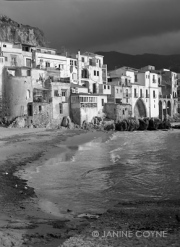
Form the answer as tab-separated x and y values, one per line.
11	31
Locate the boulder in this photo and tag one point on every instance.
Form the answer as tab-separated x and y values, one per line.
66	121
143	124
19	122
154	123
165	124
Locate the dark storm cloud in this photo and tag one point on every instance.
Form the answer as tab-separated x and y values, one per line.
94	23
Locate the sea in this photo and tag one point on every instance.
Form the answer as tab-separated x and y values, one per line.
94	176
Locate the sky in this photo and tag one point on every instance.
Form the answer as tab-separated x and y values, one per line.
127	26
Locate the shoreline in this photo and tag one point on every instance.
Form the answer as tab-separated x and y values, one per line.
19	211
24	224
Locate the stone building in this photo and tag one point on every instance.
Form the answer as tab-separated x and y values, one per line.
91	71
117	111
138	88
84	107
35	94
168	101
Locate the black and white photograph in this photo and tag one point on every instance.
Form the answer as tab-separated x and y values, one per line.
89	123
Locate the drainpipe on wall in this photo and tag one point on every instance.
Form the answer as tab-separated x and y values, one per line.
149	96
78	68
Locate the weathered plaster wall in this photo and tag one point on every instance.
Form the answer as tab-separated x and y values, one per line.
75	115
87	113
117	111
15	98
64	100
1	71
42	113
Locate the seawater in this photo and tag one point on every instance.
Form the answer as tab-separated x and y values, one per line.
96	175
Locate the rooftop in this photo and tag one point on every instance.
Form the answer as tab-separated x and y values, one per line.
90	54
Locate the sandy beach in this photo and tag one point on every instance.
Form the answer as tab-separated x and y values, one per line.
24	223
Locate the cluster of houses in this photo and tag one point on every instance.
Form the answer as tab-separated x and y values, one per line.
43	86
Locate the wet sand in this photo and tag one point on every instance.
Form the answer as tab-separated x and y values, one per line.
22	220
24	223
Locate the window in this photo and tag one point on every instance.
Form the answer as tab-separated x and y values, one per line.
47	64
135	92
104	86
90	61
4	45
74	76
71	62
56	94
102	100
141	93
25	48
146	93
97	73
60	108
126	100
75	63
108	87
28	62
63	93
94	72
123	112
126	82
82	59
28	94
6	59
117	90
126	92
136	78
13	61
154	95
40	108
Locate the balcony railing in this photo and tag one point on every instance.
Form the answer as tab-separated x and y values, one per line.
40	100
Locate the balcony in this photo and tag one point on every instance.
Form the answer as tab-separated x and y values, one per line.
125	95
40	95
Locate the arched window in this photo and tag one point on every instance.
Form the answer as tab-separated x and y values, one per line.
28	95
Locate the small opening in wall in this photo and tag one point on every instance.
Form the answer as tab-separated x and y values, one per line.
40	108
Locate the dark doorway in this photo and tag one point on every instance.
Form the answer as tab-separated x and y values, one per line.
160	110
169	108
94	87
140	109
30	110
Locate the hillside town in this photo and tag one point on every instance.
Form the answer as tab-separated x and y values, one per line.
43	87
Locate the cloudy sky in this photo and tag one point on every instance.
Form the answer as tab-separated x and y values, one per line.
128	26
